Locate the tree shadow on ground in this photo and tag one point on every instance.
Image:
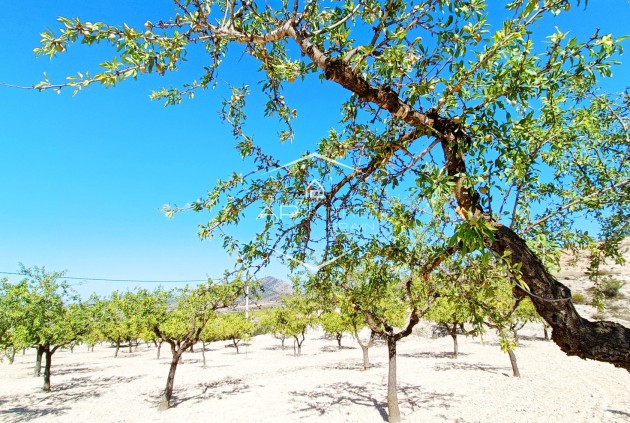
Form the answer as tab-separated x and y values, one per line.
217	389
458	365
327	397
28	413
619	413
65	370
333	348
431	355
533	338
351	365
50	404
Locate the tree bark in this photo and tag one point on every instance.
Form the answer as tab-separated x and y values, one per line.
235	342
159	348
298	342
165	402
48	355
338	336
392	396
366	357
203	353
454	336
602	341
117	348
365	347
515	371
130	345
37	372
11	355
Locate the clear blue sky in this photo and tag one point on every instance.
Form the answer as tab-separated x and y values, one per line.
82	179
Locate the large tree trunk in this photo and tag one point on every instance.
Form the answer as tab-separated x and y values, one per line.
603	340
338	336
392	396
130	345
117	348
159	348
48	355
515	371
37	372
165	402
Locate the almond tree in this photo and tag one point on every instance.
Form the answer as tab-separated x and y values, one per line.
275	321
301	313
230	326
449	96
180	325
50	315
335	324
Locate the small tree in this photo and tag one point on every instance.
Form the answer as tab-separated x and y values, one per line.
301	314
50	315
504	302
181	325
232	326
457	302
335	324
275	321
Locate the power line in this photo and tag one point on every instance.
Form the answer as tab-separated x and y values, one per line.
122	280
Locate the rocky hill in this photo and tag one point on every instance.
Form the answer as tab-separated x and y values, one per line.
271	290
573	273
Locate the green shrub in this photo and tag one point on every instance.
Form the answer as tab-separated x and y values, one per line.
578	298
611	288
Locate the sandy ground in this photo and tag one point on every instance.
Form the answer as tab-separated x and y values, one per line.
325	384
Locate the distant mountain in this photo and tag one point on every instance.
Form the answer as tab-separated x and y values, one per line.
271	290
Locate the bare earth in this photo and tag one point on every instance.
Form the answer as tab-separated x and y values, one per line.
270	385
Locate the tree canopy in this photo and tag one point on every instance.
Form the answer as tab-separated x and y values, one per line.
459	115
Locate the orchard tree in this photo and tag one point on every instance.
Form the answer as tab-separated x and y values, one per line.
50	315
180	325
459	298
301	313
276	321
448	96
335	324
391	302
9	316
230	326
129	316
